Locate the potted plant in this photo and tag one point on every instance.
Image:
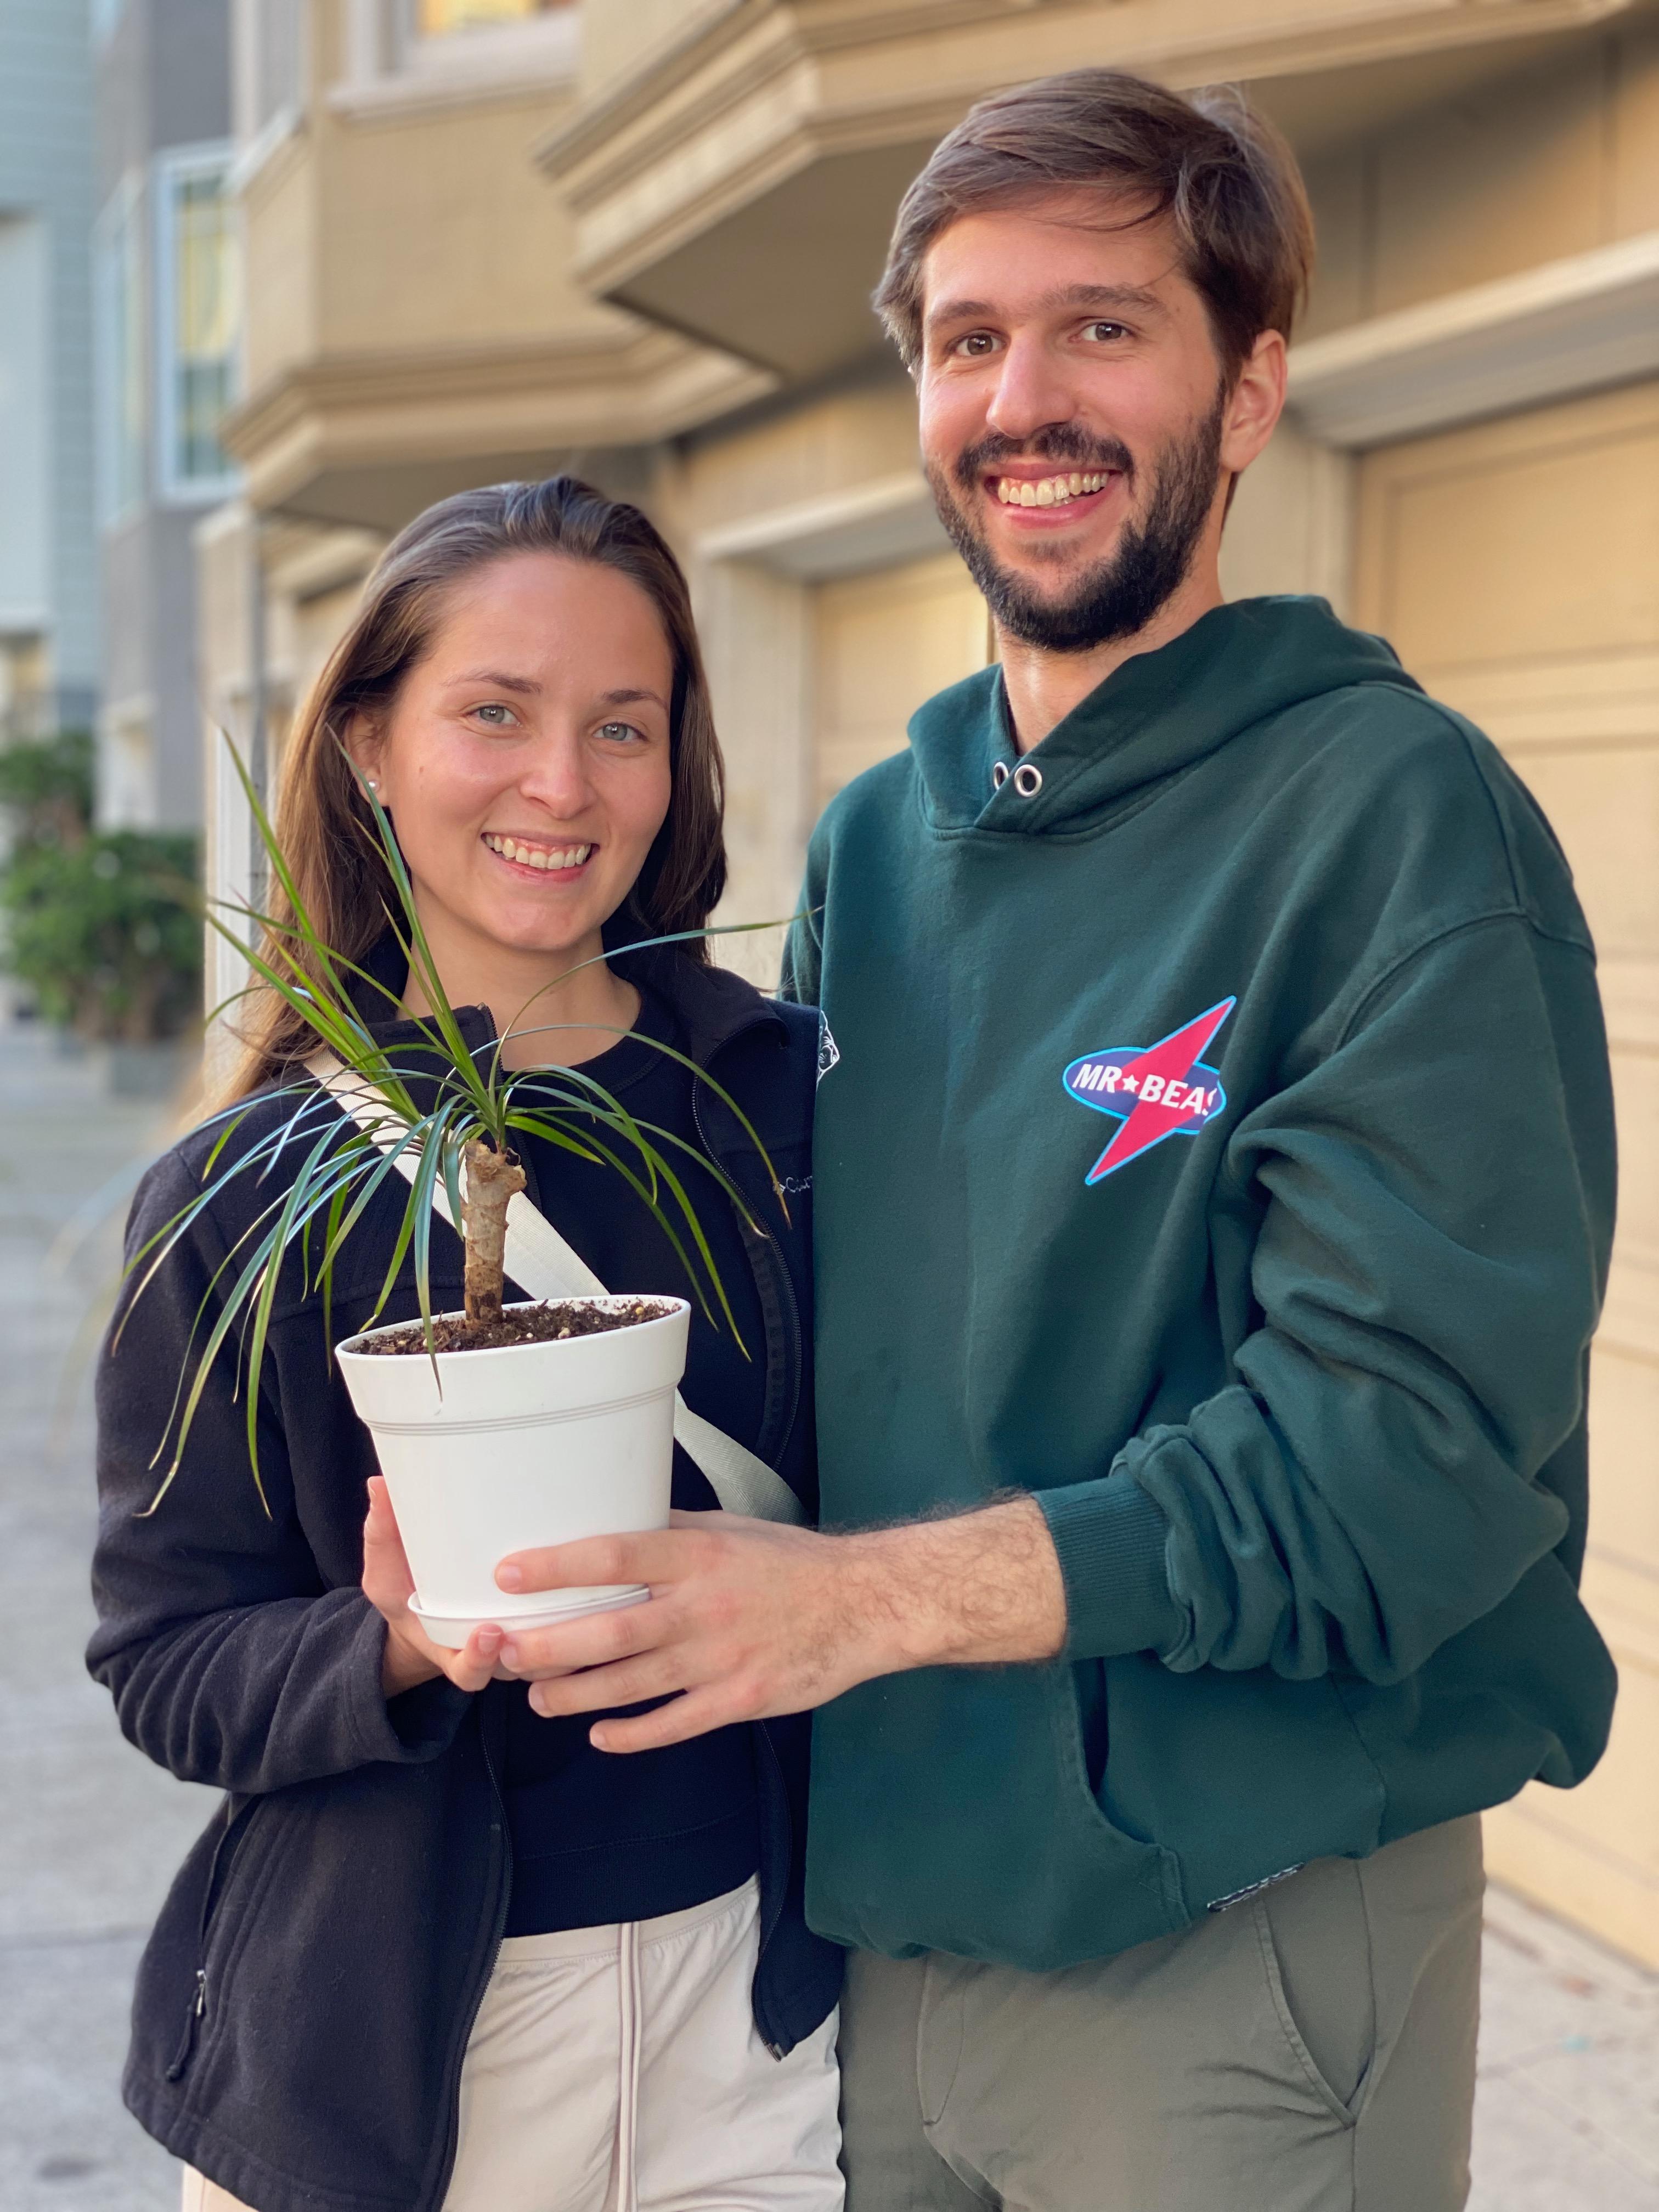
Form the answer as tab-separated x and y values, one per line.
500	1427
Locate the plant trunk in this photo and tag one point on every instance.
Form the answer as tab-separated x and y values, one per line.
492	1177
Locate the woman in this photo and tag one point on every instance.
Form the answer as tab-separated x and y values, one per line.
437	1951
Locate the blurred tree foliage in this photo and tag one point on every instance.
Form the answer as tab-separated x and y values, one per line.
103	926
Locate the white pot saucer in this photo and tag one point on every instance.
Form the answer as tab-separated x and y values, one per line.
452	1629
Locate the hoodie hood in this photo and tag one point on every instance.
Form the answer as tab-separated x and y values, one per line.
1152	718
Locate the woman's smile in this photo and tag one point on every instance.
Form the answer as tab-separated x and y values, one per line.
528	855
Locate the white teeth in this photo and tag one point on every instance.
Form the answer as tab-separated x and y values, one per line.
537	856
1046	491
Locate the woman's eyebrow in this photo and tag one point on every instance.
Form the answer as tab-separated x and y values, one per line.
498	680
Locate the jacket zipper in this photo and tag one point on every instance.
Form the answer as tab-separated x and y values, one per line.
457	2054
787	1288
224	1852
773	1912
791	1313
193	2018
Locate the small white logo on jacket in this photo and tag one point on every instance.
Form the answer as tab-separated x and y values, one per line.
829	1050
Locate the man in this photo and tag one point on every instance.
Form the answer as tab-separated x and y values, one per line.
1214	1184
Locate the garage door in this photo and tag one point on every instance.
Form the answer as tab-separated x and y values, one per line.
1514	567
883	642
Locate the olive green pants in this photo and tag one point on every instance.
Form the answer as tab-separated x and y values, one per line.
1309	2048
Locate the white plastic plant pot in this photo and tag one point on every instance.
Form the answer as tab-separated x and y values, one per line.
525	1446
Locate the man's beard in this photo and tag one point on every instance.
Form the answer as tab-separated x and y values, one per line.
1119	597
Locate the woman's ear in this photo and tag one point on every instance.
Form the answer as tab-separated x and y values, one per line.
365	749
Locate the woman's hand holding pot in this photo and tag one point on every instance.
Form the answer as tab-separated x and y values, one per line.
411	1657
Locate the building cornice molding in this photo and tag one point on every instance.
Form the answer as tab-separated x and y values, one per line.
384	409
317	565
890	518
1565	327
399	98
752	95
778	33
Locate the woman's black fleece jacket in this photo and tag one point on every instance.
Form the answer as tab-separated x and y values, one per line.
304	2004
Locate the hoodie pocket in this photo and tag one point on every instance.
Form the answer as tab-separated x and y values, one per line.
1127	1858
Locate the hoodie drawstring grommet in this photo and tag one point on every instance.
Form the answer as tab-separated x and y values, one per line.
1028	780
998	775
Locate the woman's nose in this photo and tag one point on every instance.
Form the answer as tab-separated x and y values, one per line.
556	777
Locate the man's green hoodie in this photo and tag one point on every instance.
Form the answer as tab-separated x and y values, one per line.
1214	1139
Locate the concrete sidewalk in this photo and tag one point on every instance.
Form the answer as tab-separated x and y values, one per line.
91	1832
1567	2118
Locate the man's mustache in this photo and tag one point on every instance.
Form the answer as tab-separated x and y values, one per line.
1060	442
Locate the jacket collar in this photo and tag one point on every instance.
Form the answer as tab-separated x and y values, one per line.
713	1005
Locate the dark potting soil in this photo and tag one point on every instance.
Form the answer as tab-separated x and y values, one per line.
542	1324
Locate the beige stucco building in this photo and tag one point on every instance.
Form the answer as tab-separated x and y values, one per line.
490	237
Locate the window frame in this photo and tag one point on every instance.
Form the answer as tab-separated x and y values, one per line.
179	165
264	116
120	253
485	49
389	67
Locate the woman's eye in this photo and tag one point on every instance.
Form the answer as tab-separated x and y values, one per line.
494	716
620	732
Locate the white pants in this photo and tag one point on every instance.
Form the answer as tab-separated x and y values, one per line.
617	2069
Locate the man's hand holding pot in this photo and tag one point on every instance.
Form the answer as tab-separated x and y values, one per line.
748	1619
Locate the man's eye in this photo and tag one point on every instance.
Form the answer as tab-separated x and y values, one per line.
1104	332
494	716
976	345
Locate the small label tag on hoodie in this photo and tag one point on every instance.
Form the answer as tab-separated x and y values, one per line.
1252	1888
1156	1090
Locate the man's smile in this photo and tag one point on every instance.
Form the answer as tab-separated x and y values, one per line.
1072	489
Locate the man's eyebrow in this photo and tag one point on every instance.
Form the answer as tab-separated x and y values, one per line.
1135	297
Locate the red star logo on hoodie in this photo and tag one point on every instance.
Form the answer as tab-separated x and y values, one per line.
1159	1090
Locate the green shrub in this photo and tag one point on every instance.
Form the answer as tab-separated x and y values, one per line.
103	928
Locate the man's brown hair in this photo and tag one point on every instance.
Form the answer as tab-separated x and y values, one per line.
1220	171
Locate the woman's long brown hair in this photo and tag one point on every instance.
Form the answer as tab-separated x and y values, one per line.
323	821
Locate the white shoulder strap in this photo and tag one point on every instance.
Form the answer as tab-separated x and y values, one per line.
541	1262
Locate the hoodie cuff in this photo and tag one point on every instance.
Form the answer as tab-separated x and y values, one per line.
416	1725
1111	1538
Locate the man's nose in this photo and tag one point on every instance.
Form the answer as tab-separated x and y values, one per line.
1031	391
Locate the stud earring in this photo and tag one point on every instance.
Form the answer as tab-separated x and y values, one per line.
370	781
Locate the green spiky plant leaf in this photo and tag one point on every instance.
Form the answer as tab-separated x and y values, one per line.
450	1112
